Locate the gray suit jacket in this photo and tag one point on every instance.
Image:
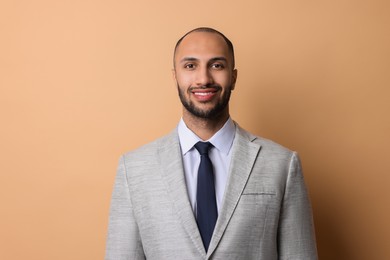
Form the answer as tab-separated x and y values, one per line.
266	213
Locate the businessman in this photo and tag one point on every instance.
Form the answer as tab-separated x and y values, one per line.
209	189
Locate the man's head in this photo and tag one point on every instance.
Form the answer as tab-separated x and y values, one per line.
204	72
229	44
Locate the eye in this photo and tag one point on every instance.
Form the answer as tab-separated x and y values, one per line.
189	66
217	66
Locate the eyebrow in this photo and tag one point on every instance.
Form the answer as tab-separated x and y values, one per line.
188	59
218	59
185	59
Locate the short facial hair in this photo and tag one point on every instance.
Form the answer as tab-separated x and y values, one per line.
205	114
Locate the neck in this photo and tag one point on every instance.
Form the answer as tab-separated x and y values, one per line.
205	128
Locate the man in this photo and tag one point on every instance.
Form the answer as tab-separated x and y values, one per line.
209	190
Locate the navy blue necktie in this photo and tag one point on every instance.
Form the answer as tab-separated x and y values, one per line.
206	209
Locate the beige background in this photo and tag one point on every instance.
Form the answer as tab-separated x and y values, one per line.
83	81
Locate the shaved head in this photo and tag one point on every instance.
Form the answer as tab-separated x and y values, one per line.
208	30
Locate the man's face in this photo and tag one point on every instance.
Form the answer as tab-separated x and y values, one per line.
204	74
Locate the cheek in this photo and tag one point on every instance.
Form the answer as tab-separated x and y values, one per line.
183	80
224	80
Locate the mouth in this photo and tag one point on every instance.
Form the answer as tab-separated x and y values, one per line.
204	94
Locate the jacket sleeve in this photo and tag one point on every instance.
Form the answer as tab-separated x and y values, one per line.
123	239
296	238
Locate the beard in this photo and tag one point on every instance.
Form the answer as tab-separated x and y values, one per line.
211	113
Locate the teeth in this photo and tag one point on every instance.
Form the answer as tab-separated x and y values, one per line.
203	93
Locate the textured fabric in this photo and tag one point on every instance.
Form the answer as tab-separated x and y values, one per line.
265	214
220	156
206	215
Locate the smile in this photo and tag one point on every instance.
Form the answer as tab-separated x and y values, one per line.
203	93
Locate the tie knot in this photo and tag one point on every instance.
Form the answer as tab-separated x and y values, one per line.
203	147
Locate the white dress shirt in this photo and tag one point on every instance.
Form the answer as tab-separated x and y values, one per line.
220	156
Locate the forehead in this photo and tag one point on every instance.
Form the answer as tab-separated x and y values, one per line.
202	44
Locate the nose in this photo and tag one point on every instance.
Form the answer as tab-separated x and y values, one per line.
203	77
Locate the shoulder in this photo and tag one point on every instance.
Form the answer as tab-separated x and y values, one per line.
152	149
273	160
267	147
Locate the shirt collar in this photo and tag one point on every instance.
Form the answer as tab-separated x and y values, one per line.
222	140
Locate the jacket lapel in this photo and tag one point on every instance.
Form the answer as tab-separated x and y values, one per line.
173	174
244	154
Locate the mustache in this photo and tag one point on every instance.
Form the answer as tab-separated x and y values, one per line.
216	87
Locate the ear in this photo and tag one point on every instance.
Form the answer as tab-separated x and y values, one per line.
234	78
174	74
